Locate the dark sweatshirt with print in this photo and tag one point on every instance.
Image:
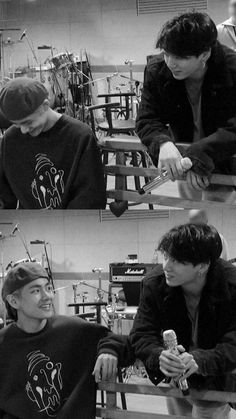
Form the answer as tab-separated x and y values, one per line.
49	374
59	169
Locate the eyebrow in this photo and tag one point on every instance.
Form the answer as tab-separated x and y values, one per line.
38	286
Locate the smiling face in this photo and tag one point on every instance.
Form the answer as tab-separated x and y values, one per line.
33	302
36	123
187	67
180	274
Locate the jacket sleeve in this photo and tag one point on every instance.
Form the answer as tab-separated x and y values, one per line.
215	148
150	126
87	184
118	345
7	197
221	359
145	336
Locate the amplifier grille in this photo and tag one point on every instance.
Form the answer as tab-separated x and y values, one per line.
165	6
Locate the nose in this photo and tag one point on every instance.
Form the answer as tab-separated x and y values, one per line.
167	265
46	294
171	62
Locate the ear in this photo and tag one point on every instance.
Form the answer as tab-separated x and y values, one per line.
13	301
203	268
45	105
205	56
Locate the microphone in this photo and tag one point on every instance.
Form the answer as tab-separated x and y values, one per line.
170	342
22	35
14	229
164	177
97	270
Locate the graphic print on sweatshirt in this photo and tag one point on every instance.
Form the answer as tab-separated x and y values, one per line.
44	383
48	185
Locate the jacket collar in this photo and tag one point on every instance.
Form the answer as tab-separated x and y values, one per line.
217	75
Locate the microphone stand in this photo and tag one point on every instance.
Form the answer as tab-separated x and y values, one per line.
31	48
48	269
23	241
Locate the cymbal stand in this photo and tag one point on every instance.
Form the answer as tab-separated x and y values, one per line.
31	47
131	82
23	241
3	239
80	75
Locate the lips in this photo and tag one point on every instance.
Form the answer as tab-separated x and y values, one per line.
46	306
168	276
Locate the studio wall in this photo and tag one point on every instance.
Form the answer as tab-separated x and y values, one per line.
109	30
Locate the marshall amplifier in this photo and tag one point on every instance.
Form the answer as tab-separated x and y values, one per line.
127	272
127	277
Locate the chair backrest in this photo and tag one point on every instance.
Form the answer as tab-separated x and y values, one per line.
107	107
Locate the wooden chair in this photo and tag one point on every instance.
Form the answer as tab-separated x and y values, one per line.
119	126
112	412
153	198
107	108
120	146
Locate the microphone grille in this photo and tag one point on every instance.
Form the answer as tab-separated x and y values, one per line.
170	338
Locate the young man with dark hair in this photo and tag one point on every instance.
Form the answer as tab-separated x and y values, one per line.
227	29
47	361
200	216
194	294
47	160
189	96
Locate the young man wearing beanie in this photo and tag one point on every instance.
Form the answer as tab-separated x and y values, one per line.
47	361
48	160
194	294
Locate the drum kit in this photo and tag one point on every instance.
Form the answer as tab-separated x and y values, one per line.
61	74
67	77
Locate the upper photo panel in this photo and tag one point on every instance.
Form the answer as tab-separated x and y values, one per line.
117	104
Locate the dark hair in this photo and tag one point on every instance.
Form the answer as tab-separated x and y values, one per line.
190	243
11	312
188	34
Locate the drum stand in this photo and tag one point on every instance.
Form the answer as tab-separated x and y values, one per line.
80	76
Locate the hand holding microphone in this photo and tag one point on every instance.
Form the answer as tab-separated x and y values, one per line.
185	164
171	363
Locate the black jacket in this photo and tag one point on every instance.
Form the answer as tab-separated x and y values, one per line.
162	307
165	105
